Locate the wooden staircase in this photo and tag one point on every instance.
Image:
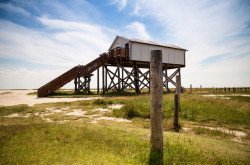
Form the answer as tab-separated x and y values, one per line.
79	70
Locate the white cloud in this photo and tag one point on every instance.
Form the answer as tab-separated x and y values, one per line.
121	4
62	45
137	30
229	73
66	43
206	29
14	9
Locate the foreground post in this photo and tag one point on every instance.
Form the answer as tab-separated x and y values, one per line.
156	114
177	104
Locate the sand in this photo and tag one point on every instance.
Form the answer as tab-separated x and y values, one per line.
15	97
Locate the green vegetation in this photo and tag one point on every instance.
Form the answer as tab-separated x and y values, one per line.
32	140
14	109
106	144
205	131
4	93
32	93
193	108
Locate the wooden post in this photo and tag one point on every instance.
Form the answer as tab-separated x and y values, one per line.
177	104
75	82
89	79
119	78
156	113
106	78
98	81
78	83
180	80
136	76
166	79
190	88
122	79
103	85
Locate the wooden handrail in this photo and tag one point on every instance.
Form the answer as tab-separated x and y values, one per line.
81	70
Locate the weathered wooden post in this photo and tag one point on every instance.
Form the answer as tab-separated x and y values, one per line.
89	80
177	103
75	82
103	81
156	113
106	78
119	78
78	83
190	88
98	81
122	79
136	77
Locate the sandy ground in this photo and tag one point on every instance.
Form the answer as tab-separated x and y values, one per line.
95	118
15	97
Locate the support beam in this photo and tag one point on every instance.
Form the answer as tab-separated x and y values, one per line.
75	83
82	83
166	79
98	81
136	81
180	80
88	83
78	83
128	79
119	78
103	77
106	77
122	78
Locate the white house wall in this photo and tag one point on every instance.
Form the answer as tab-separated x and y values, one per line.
120	42
141	52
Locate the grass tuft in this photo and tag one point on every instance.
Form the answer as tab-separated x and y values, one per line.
13	109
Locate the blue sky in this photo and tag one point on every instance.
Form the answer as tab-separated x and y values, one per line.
41	39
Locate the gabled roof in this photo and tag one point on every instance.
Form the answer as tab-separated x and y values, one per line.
145	42
116	38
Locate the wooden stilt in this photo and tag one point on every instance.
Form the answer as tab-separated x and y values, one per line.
136	82
75	82
106	77
103	77
119	78
98	81
122	78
